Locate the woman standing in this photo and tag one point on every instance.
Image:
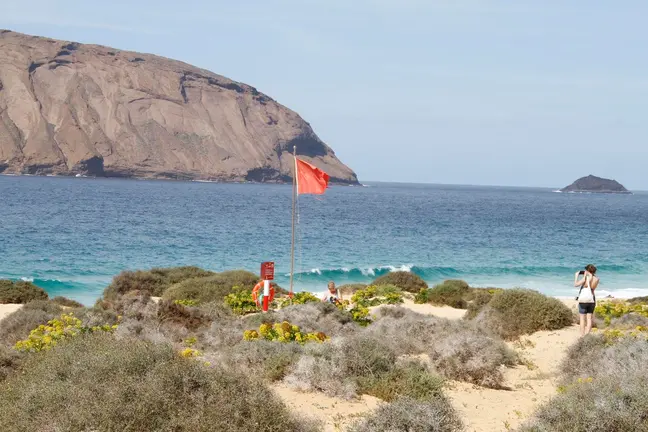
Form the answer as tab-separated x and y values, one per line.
586	298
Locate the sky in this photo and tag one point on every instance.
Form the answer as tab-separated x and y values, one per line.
482	92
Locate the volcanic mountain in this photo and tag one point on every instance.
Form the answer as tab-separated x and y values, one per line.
68	108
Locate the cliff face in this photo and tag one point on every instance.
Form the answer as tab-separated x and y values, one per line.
68	108
595	185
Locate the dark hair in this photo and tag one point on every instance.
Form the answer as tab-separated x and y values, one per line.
591	268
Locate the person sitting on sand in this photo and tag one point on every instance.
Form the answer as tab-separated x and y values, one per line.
586	298
332	295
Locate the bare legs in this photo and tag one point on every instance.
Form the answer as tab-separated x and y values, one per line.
585	323
588	328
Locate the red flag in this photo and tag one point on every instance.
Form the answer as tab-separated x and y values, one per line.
310	179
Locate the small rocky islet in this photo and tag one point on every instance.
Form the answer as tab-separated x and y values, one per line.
593	184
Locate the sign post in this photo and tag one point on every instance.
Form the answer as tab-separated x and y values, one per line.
267	274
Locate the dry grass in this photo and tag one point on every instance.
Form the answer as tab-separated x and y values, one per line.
20	292
604	388
364	362
457	349
404	280
10	361
516	312
406	414
316	317
99	383
269	360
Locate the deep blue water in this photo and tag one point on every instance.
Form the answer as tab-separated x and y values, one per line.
71	235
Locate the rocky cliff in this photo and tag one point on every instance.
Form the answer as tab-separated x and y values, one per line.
68	108
595	184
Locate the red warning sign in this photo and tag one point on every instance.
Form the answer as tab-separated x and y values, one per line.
267	270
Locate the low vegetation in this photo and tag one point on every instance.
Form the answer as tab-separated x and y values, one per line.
283	332
406	414
10	361
20	292
451	292
19	324
375	295
66	302
154	281
515	312
143	387
603	387
407	281
624	311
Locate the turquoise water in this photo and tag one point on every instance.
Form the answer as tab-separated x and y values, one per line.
72	235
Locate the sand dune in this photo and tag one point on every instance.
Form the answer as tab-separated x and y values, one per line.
6	309
482	409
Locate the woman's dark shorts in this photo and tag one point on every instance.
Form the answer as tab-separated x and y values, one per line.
586	308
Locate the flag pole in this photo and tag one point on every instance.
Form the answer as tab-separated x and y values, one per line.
292	243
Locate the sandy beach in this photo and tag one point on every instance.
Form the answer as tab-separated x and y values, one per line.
6	309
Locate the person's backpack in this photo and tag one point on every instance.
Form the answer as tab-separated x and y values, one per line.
586	294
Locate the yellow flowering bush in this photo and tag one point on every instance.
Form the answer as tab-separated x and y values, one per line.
45	336
617	309
377	295
189	353
614	335
283	332
186	302
361	315
241	302
298	298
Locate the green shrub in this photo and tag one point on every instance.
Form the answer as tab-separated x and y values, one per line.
451	293
64	301
143	387
241	302
154	281
301	298
211	289
20	292
202	290
516	312
375	295
409	415
411	379
404	280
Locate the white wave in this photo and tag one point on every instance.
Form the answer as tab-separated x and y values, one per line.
27	279
316	271
623	293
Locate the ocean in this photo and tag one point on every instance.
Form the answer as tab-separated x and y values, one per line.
72	235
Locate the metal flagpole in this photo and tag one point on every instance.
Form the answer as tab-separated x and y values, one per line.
292	246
